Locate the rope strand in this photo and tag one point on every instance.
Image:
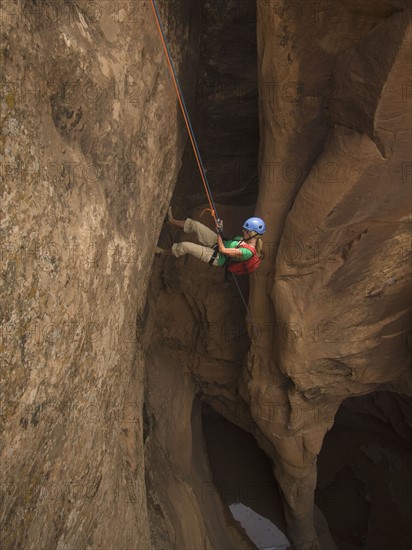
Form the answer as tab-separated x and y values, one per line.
189	127
185	112
243	298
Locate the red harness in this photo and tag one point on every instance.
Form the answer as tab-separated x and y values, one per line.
247	266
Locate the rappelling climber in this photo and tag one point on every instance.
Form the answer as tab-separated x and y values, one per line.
240	255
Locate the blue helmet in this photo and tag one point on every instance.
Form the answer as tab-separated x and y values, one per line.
255	224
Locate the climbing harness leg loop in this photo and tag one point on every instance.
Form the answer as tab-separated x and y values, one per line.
214	255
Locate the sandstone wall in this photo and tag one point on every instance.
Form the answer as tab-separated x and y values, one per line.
90	152
332	303
92	147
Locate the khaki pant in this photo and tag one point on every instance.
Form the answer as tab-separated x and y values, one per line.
204	235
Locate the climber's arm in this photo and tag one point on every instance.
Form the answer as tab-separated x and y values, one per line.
229	252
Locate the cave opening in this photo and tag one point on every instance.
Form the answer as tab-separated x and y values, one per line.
243	476
364	473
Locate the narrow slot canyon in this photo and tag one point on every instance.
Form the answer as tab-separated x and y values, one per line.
244	477
150	401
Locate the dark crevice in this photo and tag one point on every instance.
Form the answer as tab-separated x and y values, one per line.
244	478
364	475
225	107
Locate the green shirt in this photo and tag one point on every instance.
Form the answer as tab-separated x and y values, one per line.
246	254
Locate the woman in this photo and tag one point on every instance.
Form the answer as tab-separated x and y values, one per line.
215	249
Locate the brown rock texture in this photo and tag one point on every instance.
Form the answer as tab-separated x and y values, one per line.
108	352
90	151
332	305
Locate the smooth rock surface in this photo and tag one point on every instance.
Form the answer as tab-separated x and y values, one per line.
90	153
334	294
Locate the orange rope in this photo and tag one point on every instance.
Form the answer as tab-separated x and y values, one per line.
199	164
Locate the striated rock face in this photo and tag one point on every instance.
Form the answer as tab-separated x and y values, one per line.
91	148
332	304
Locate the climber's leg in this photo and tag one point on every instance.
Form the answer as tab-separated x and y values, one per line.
173	221
203	253
203	234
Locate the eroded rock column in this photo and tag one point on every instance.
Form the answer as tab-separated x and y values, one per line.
90	153
331	303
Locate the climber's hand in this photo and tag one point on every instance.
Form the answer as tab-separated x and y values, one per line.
219	227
